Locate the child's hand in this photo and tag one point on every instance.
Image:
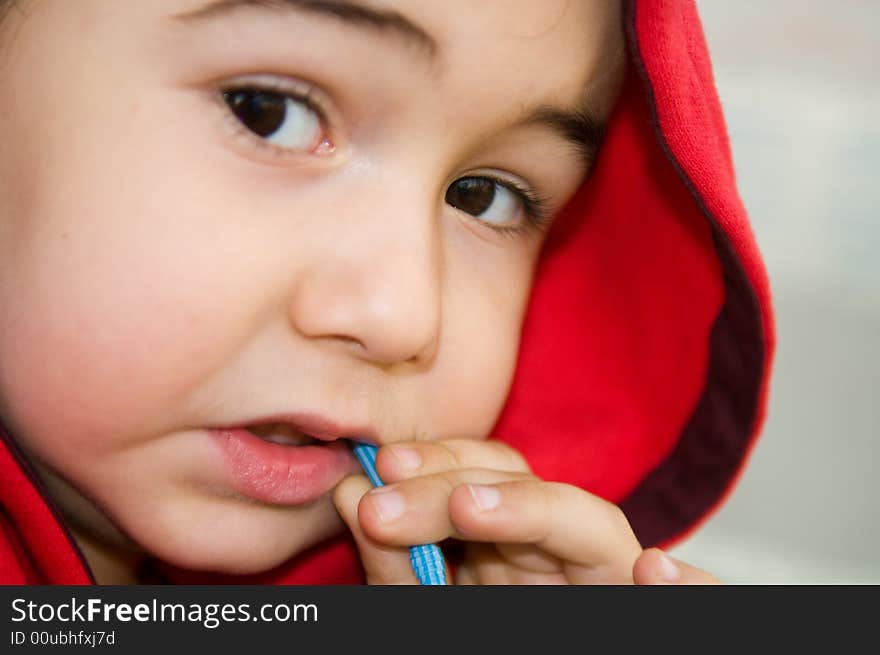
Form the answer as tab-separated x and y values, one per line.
519	529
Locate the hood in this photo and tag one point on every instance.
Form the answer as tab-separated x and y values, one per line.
646	351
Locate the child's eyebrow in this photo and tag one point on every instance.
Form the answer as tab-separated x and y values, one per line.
578	125
344	10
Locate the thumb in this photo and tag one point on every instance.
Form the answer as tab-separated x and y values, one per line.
654	567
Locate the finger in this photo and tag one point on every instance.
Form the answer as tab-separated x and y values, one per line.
654	567
529	558
404	460
466	575
566	522
486	565
416	511
492	566
382	564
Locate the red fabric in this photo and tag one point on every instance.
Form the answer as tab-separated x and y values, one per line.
677	70
645	359
34	545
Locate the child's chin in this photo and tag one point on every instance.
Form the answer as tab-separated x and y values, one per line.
241	548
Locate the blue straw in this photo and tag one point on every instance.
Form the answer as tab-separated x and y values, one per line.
426	559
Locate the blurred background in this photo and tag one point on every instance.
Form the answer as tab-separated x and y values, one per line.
799	83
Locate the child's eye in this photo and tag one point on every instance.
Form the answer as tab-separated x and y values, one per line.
497	203
283	120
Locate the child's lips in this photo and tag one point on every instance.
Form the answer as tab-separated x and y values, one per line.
283	474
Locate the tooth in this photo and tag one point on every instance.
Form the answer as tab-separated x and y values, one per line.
281	434
284	440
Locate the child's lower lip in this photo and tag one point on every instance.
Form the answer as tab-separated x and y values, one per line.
283	475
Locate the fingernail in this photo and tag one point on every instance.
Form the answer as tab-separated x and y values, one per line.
407	458
389	504
669	570
485	497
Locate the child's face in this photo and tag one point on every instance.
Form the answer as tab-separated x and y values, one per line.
166	270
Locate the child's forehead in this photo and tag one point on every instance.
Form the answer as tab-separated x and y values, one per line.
435	31
526	18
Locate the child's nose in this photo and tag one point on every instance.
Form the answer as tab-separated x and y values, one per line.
377	284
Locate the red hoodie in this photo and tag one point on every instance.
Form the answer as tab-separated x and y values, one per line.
645	358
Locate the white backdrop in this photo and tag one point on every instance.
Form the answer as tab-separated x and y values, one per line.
799	83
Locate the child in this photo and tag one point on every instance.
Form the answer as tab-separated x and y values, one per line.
237	233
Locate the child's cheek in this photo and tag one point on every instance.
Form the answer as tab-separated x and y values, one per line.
469	382
111	309
108	327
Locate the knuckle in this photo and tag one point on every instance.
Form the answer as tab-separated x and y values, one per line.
611	513
450	480
549	496
511	457
451	453
616	519
470	453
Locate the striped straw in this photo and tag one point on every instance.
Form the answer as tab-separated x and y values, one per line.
426	559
